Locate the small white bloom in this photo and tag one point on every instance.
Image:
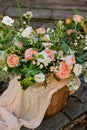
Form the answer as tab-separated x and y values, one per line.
85	79
41	66
73	86
39	78
43	58
60	53
85	48
21	29
27	31
46	37
70	59
77	69
24	22
34	62
7	21
75	43
38	63
17	43
5	68
48	30
46	44
52	68
29	13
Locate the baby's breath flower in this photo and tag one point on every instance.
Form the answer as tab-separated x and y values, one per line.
41	66
34	62
38	63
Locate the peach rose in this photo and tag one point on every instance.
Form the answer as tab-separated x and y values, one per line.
41	30
64	71
29	52
13	60
70	60
68	21
69	31
77	18
50	53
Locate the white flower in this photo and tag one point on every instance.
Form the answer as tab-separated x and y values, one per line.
39	78
73	85
85	48
43	58
46	44
29	13
48	30
7	21
52	68
46	37
77	69
5	68
60	53
34	62
27	31
85	79
70	59
38	63
41	66
17	43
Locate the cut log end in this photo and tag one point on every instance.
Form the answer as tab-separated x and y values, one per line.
58	101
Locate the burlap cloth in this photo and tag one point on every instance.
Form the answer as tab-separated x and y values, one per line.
26	108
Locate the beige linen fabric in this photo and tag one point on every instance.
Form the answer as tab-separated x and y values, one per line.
26	108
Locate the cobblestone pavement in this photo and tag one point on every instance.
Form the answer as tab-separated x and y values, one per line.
48	9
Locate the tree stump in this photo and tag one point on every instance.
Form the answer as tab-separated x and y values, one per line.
58	101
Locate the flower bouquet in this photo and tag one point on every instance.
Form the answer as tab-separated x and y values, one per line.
34	55
38	55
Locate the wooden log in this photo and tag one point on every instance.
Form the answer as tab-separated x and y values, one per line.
58	101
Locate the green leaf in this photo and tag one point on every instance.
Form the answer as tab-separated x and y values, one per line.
84	55
80	60
2	63
26	82
41	56
65	47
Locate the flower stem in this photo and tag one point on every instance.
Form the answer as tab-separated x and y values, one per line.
20	13
75	26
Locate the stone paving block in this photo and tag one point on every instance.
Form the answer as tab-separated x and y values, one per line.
37	13
81	94
2	9
58	2
13	11
52	123
41	13
62	14
43	23
8	3
74	108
